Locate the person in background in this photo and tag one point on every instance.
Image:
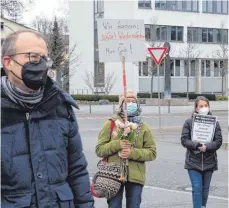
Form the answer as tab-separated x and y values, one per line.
144	149
201	159
42	159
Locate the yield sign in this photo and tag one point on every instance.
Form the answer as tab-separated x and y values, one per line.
157	54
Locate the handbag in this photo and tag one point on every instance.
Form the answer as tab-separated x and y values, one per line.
106	182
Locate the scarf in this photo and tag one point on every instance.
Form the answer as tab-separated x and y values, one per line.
25	99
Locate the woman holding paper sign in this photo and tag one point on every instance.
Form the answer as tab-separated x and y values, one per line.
201	159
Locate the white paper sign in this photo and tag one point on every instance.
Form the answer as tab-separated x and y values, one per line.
118	38
52	74
203	128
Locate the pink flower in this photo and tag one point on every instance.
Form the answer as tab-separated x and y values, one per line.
115	133
126	131
122	125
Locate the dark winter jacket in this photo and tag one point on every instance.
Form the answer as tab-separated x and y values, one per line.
42	160
196	160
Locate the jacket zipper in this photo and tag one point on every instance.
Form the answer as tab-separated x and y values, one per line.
27	116
202	161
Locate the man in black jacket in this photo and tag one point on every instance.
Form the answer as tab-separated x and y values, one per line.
43	164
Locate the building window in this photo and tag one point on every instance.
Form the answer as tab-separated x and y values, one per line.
162	69
207	35
144	4
178	5
204	35
145	68
202	68
176	34
217	7
208	68
192	34
205	68
163	33
221	68
147	32
163	36
225	36
160	4
216	69
171	68
186	68
193	68
210	35
140	69
177	68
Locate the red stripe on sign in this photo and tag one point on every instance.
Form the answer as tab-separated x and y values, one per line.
124	80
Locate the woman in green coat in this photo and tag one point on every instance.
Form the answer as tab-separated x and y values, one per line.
144	149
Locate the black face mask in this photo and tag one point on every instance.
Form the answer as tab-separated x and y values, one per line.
34	75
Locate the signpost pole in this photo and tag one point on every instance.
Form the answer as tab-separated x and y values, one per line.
159	98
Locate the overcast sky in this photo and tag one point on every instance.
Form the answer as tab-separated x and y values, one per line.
44	8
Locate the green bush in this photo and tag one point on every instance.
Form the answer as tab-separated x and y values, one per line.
192	96
111	98
220	97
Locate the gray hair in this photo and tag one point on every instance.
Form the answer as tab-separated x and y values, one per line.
8	46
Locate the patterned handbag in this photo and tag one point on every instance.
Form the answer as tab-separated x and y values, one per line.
106	182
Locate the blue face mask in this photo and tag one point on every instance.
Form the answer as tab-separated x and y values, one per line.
132	107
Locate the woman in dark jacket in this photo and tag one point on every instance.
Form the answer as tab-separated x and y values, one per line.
201	159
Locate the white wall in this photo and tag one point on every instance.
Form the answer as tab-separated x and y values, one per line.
81	34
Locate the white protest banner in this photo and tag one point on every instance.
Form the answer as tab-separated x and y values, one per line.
118	38
203	128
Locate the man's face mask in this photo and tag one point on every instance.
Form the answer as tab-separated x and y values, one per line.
34	75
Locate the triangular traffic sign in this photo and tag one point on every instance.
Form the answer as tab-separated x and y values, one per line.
157	54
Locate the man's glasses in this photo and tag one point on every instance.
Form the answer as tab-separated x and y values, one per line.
36	58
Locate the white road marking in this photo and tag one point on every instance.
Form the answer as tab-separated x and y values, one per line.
179	192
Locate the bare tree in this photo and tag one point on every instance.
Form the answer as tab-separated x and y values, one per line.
190	53
14	8
65	59
110	81
222	53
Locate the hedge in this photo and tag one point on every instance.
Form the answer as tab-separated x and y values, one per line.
220	97
191	96
111	98
115	98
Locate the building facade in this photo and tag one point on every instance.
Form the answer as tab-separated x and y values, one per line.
197	31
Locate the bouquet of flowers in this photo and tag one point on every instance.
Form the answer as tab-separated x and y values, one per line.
125	131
